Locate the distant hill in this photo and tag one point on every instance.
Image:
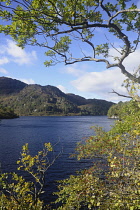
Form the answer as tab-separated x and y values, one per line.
10	86
37	100
78	100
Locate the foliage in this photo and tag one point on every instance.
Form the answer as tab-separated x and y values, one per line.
18	193
115	110
113	181
7	113
95	107
122	109
59	25
132	88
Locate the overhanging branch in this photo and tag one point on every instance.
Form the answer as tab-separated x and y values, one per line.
122	11
113	91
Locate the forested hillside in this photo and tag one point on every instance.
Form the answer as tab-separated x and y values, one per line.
7	113
10	86
46	100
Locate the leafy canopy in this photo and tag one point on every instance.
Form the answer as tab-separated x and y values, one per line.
56	25
60	24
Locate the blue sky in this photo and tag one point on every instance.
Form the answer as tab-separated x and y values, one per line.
87	79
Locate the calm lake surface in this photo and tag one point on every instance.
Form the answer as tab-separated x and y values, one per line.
65	131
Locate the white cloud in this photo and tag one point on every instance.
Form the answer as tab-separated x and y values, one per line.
131	63
27	81
4	60
16	54
74	70
3	71
19	55
62	88
100	83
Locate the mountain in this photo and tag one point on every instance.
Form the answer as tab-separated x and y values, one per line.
40	100
90	106
78	100
10	86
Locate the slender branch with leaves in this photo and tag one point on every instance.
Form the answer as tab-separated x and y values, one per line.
55	24
19	193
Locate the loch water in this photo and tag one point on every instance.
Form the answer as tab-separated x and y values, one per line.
61	131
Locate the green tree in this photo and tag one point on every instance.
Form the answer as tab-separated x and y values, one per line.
121	109
113	180
18	193
7	113
58	25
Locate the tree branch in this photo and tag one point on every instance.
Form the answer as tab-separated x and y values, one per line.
120	94
104	8
127	74
122	11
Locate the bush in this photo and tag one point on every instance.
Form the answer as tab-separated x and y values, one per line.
113	182
17	193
